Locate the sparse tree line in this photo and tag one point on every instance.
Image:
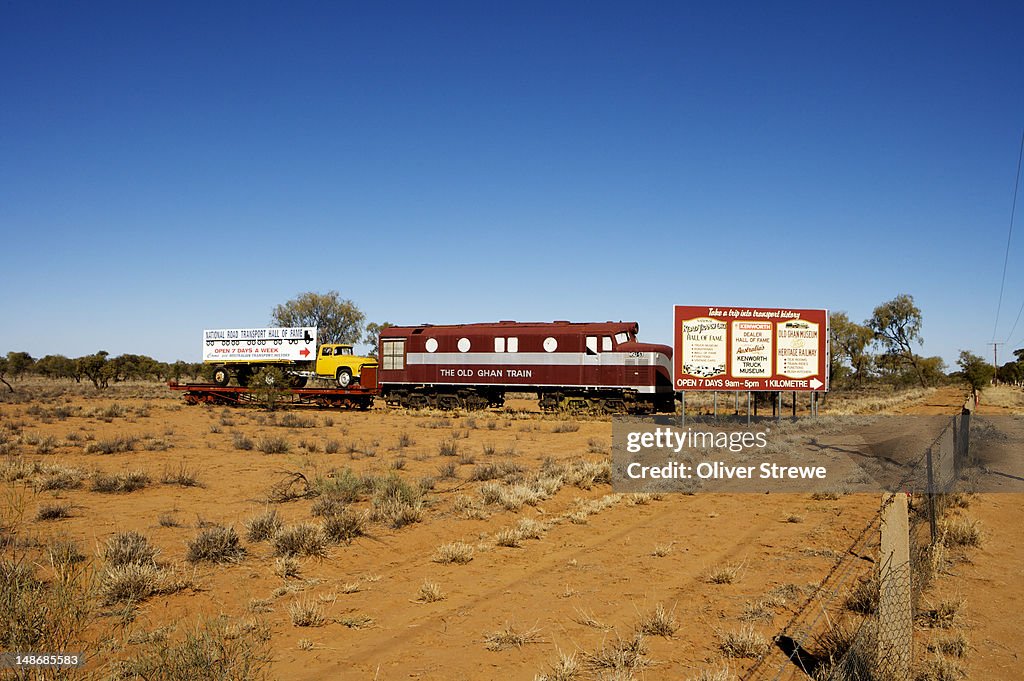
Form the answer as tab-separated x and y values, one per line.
99	368
881	350
338	321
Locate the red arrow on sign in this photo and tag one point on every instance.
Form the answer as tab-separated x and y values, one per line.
304	352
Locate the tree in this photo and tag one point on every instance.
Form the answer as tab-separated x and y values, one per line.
95	368
1011	372
849	342
373	330
18	363
897	326
338	320
3	371
269	386
55	366
976	371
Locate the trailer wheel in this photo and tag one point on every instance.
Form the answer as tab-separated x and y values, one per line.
221	376
344	377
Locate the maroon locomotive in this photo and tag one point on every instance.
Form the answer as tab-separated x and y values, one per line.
574	366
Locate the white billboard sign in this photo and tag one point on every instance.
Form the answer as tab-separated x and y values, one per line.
260	345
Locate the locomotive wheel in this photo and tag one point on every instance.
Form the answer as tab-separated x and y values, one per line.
221	376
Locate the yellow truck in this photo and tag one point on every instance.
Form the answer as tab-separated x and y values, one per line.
243	352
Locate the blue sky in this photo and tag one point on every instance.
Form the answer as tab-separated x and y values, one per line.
166	168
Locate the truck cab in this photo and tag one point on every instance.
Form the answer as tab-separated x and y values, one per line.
337	361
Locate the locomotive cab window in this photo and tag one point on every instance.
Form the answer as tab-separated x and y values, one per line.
621	337
606	343
513	344
394	353
499	345
591	345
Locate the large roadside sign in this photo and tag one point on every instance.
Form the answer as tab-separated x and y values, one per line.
267	345
750	348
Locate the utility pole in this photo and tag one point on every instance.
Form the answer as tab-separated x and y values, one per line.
995	360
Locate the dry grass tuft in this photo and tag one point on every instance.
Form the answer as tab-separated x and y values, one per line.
430	592
217	544
181	475
958	532
263	526
565	668
510	637
302	539
457	552
943	616
724	574
746	642
306	613
344	527
620	655
54	511
129	548
659	622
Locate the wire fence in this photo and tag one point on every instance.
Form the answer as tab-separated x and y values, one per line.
858	623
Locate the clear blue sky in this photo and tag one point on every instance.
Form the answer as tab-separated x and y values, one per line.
170	167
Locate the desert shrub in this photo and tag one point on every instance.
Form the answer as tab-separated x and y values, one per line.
53	511
458	552
291	420
448	448
263	526
131	582
344	526
494	470
569	427
286	566
213	650
43	615
429	592
63	552
723	574
961	532
273	445
302	539
129	481
305	613
395	502
129	548
510	637
659	622
217	544
181	475
620	655
344	486
58	478
745	642
863	597
120	443
241	441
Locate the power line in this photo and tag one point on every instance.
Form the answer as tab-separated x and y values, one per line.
1006	258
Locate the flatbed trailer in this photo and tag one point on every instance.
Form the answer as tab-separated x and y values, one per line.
355	397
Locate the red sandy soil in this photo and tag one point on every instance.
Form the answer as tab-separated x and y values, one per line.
603	568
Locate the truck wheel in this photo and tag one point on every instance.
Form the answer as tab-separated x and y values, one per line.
344	377
221	376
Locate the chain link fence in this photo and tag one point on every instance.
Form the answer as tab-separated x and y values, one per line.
858	624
